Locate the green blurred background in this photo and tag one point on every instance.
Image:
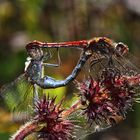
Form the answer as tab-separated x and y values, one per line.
22	21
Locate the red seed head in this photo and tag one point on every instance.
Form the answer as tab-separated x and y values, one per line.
54	126
109	97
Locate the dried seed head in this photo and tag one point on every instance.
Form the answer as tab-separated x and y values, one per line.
109	97
53	125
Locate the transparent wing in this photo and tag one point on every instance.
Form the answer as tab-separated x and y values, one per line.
17	96
124	64
82	128
129	62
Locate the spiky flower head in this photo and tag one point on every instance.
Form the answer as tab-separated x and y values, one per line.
111	96
49	117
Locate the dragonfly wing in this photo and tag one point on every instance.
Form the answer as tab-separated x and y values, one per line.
83	128
16	97
125	65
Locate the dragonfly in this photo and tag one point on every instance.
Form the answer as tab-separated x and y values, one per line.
104	50
98	49
22	91
15	93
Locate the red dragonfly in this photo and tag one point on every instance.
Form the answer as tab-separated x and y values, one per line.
16	93
102	45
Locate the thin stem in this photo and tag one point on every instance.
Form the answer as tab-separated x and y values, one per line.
72	109
25	130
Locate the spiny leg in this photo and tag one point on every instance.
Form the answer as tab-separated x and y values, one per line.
35	96
54	65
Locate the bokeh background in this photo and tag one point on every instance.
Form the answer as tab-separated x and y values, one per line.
22	21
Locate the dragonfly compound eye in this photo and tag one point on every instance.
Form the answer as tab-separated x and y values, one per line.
121	49
34	49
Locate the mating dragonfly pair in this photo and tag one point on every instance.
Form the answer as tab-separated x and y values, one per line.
100	51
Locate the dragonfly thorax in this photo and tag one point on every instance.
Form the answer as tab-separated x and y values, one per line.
33	70
102	45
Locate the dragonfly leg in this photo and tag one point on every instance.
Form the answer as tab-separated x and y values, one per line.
50	65
47	55
53	65
35	95
49	82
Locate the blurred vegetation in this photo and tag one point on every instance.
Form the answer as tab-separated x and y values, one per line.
22	21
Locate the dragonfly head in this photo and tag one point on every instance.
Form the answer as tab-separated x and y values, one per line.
34	50
121	49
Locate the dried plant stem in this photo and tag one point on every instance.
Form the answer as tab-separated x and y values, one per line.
72	109
25	130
